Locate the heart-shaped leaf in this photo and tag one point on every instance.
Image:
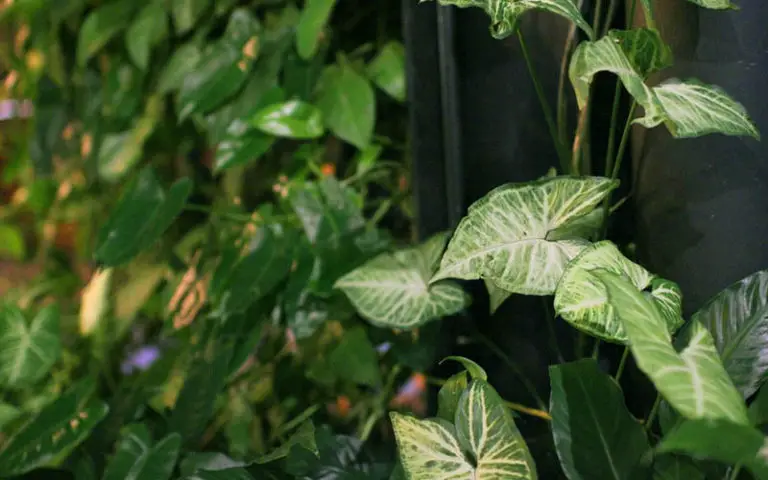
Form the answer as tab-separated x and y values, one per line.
737	317
393	289
149	29
505	237
138	459
348	104
313	18
595	435
27	350
582	300
694	381
387	70
292	119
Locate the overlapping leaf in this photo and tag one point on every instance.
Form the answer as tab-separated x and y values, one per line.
387	70
393	289
101	25
149	29
506	236
582	299
313	18
694	381
138	459
27	350
348	104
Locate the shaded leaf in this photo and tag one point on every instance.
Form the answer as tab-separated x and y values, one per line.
313	18
387	70
148	29
134	443
497	296
505	236
27	350
8	413
670	467
449	395
595	435
12	242
181	64
196	461
475	371
303	437
292	119
186	13
355	359
101	25
348	104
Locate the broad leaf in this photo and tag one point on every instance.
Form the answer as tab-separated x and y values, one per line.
387	70
355	359
670	467
348	104
505	237
181	64
186	13
313	18
715	4
737	317
496	295
292	119
595	435
393	289
148	29
143	214
720	440
645	49
694	381
505	14
449	395
27	350
101	25
582	299
137	459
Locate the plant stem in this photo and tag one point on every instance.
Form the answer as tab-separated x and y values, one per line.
609	17
735	472
553	344
652	414
236	217
617	163
561	153
609	158
562	110
596	349
622	364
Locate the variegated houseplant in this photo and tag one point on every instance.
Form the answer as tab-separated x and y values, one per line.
544	238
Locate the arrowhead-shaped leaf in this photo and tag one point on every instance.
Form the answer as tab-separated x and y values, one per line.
506	236
582	299
737	317
149	29
27	350
393	289
595	435
694	381
313	18
387	70
348	105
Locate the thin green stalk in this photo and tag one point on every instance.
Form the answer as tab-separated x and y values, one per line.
561	152
609	16
562	105
596	349
551	331
735	472
622	364
652	414
609	158
614	173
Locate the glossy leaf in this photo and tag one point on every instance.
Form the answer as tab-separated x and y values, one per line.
27	350
393	289
292	119
505	15
387	70
313	19
720	440
148	29
693	381
348	104
241	146
670	467
582	300
595	435
505	236
181	64
186	13
143	214
101	25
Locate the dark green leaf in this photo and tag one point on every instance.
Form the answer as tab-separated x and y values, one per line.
304	437
149	29
228	474
355	359
8	413
387	70
335	453
27	350
181	64
141	217
348	105
758	409
449	395
313	18
595	435
241	146
186	13
195	462
670	467
102	25
300	76
137	459
475	370
292	119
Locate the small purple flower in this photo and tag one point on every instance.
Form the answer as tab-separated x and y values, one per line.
140	359
383	348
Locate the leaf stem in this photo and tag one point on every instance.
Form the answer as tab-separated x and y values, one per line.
652	414
622	364
561	152
614	172
562	105
735	472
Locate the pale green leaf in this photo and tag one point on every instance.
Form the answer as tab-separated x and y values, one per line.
694	381
348	105
715	4
393	289
581	298
645	49
27	350
505	237
449	395
428	449
474	370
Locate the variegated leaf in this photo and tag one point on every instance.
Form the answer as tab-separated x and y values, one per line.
505	14
694	381
582	299
393	290
506	236
715	4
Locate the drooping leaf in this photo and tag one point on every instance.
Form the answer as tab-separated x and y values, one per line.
313	19
186	13
497	296
387	70
449	395
179	66
27	350
475	371
694	381
143	214
595	435
505	236
148	29
393	289
582	300
720	440
505	14
348	104
670	467
355	359
737	317
101	25
292	119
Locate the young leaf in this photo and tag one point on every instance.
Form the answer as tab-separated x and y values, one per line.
143	214
313	18
582	300
505	14
292	119
475	371
186	13
505	237
694	381
393	289
595	435
149	29
720	440
101	25
348	105
27	351
387	70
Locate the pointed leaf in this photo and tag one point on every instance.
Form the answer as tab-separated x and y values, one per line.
387	70
393	289
449	395
148	29
101	25
292	119
348	105
595	435
497	296
582	300
186	13
179	66
475	371
27	351
313	19
505	236
694	382
505	14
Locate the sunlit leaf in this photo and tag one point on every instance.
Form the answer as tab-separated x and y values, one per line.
313	18
292	119
582	300
387	70
28	350
693	381
595	435
348	104
505	237
393	289
148	29
101	25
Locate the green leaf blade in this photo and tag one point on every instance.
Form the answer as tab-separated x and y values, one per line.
148	29
387	70
348	105
101	25
292	119
313	19
27	351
